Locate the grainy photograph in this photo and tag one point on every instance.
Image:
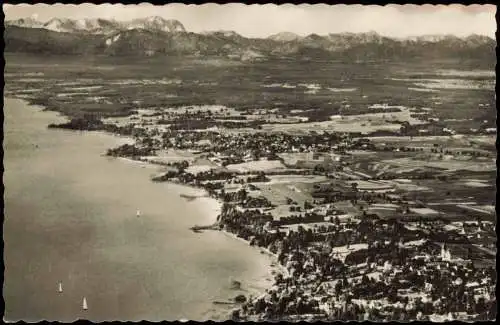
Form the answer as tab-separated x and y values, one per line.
249	163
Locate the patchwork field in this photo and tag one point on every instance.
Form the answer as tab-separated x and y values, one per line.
114	86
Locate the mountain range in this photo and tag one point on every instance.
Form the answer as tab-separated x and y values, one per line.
98	25
158	36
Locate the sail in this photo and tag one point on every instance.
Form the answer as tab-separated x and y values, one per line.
138	213
85	307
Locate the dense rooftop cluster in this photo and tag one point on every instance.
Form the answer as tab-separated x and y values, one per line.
372	184
337	262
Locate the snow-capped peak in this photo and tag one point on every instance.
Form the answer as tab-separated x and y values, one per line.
284	37
29	22
99	25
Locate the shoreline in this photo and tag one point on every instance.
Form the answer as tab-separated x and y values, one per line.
212	206
310	253
215	206
263	250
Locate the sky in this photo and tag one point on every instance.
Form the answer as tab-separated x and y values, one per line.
265	20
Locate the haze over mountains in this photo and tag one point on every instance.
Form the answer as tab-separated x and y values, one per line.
98	25
158	36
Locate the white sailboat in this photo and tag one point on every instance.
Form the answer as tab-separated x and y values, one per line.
138	213
85	307
60	289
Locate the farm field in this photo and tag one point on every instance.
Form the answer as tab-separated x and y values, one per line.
319	148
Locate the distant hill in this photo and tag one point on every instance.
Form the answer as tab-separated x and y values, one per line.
285	37
159	36
44	41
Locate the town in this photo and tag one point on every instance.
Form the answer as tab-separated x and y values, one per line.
250	162
385	196
359	237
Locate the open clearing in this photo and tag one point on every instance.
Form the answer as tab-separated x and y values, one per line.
475	166
364	123
260	165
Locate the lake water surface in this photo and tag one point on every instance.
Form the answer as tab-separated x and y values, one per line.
70	216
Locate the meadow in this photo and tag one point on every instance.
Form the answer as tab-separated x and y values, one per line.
313	90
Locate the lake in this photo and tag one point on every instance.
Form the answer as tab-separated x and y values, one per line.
70	216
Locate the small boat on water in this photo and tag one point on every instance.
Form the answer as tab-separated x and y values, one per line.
200	228
188	197
138	213
85	307
60	289
217	302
